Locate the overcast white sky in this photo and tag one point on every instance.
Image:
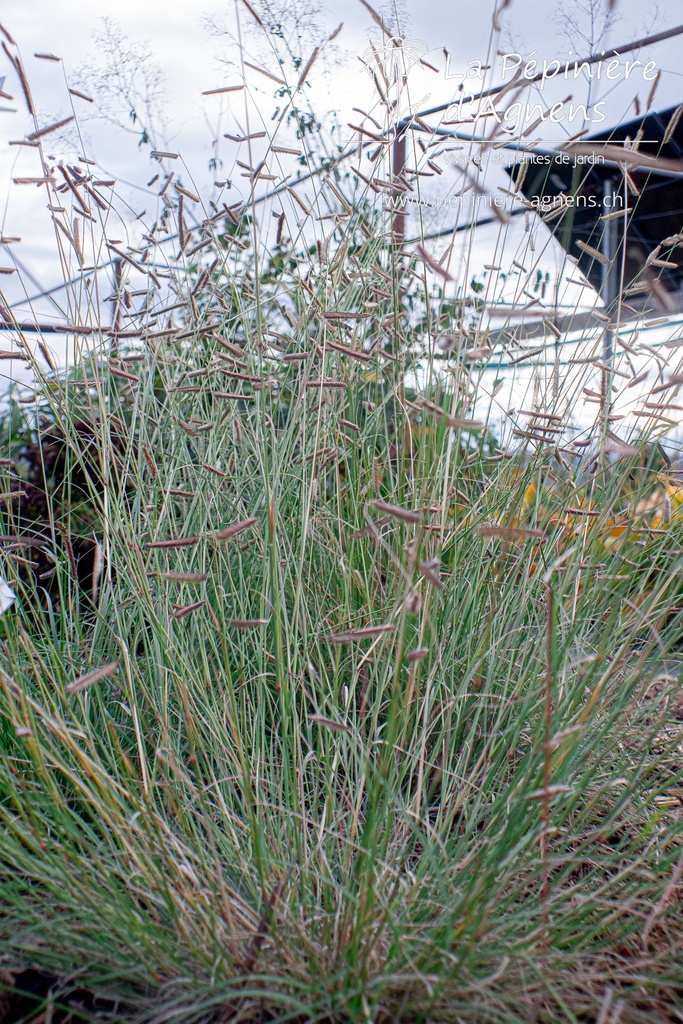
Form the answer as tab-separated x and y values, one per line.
191	58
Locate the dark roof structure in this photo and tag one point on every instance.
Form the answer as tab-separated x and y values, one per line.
656	212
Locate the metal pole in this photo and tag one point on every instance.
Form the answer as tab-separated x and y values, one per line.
116	313
608	288
398	164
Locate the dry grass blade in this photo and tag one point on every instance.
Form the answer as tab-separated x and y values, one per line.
664	899
548	791
82	682
263	925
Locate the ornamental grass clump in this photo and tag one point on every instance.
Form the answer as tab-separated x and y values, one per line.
368	710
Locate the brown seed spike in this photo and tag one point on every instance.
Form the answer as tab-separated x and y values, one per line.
81	95
397	512
179	542
432	264
328	723
18	67
418	654
186	577
309	64
377	19
150	462
182	612
213	469
262	71
367	531
429	571
253	13
7	36
365	632
673	124
224	88
595	253
233	531
653	90
91	677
